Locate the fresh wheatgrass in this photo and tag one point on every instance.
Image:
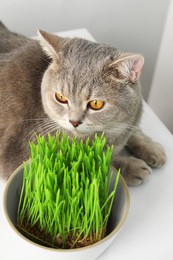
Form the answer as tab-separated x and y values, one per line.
65	193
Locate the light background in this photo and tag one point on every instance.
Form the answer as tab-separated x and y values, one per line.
131	25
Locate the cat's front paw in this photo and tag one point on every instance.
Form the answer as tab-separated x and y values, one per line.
153	154
135	171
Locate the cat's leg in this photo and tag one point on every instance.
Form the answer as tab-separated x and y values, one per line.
147	154
134	171
142	147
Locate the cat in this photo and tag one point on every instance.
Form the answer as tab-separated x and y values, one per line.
75	86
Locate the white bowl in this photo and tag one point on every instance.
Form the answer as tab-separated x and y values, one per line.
29	250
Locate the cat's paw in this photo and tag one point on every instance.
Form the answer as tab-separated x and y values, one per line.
135	171
153	154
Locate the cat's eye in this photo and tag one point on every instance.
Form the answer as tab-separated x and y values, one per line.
60	98
96	104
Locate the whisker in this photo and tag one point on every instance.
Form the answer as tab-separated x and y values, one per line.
39	126
113	129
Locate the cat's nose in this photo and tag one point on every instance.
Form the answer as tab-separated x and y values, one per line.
75	123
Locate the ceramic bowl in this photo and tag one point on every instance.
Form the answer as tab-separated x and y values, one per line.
30	250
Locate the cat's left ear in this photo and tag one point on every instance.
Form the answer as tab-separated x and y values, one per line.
50	43
127	66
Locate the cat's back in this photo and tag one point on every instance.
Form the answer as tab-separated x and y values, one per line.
9	40
22	65
21	72
22	62
10	44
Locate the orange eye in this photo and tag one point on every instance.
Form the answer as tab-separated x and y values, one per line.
60	98
96	104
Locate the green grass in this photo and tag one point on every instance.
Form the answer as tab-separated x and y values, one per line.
66	189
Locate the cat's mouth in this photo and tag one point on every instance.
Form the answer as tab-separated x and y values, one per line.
80	133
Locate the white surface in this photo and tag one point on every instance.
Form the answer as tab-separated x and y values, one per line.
160	98
148	230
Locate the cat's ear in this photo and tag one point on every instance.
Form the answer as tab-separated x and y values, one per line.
50	43
127	66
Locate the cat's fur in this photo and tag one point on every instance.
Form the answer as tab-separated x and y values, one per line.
81	71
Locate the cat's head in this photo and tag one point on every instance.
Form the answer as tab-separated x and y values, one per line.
90	87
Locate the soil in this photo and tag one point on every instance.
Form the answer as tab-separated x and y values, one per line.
35	234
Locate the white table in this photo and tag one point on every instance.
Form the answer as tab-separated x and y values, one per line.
148	230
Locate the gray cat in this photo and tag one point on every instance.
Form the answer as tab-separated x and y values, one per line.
74	86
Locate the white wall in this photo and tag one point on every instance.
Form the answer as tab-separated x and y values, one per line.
161	95
132	25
